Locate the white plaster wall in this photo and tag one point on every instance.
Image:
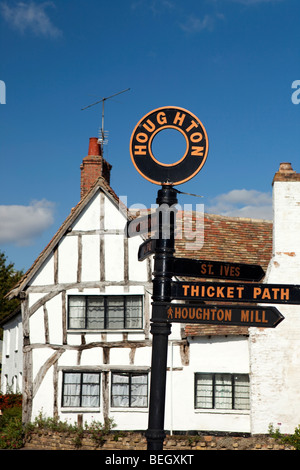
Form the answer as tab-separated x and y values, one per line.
90	258
36	327
54	309
138	270
275	357
89	218
113	219
45	275
114	258
220	354
67	259
12	357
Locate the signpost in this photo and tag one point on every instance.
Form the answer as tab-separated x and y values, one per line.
142	225
220	294
146	249
217	269
236	292
228	315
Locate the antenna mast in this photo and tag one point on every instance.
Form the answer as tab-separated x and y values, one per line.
102	138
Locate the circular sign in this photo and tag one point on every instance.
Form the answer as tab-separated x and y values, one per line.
191	162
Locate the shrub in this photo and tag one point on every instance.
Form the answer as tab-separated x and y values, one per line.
10	400
95	430
290	439
11	429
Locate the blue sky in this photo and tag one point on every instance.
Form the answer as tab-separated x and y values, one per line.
230	62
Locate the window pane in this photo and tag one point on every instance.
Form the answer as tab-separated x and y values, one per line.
223	391
95	312
120	390
76	311
241	392
139	390
90	390
115	312
133	311
81	389
204	391
71	391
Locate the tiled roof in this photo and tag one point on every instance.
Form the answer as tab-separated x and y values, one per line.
228	239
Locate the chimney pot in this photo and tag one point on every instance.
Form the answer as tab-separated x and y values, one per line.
94	147
286	167
93	167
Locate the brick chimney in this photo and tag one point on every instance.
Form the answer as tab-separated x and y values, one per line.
93	166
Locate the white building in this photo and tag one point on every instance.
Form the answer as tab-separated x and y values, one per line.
12	357
86	308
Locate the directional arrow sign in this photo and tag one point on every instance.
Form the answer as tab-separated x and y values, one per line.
146	249
240	315
237	292
217	269
141	225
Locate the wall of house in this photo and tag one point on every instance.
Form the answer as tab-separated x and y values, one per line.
95	258
275	353
220	354
12	359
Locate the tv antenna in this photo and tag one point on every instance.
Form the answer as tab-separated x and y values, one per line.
102	139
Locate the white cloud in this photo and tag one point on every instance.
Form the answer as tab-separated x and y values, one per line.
242	203
194	24
20	225
30	17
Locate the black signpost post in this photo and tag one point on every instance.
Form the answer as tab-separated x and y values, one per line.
220	295
160	327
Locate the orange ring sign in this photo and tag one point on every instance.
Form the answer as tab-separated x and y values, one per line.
169	117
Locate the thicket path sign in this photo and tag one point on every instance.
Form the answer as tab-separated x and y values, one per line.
237	292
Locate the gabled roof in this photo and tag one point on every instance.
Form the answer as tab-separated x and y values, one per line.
100	184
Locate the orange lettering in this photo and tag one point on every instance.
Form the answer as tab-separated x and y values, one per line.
240	290
285	293
194	124
194	290
149	126
196	137
245	315
179	118
185	289
230	292
142	137
256	292
198	151
140	149
161	118
210	292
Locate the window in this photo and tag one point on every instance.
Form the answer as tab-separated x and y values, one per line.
129	390
81	389
222	391
105	312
